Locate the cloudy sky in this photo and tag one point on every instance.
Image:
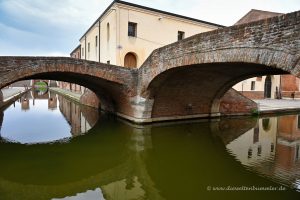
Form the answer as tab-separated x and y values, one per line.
53	27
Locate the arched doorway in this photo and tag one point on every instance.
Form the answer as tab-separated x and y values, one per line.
130	60
268	87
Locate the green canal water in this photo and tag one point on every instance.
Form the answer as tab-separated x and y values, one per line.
53	148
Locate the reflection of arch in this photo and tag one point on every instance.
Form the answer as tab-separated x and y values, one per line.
266	124
268	87
130	60
1	98
1	120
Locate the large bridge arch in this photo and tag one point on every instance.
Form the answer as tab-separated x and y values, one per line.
215	61
209	62
112	84
196	90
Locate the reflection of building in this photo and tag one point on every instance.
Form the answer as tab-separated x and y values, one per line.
76	53
125	34
272	148
273	86
52	101
25	104
71	86
80	118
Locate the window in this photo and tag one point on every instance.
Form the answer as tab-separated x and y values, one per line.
180	35
132	29
96	41
82	52
108	62
252	85
89	47
108	31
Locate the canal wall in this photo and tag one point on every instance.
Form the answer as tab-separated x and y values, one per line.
11	95
89	98
66	93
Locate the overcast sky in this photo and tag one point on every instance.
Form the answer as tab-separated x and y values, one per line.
53	27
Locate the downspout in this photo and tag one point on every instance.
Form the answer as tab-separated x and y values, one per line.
85	47
99	41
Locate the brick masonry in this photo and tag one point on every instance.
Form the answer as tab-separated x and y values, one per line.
90	98
234	103
185	79
254	94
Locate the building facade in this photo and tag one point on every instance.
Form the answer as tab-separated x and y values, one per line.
274	86
126	34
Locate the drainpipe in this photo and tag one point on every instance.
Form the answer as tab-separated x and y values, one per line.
280	97
99	41
85	47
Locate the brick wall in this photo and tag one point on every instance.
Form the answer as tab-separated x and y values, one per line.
233	102
90	98
289	83
254	94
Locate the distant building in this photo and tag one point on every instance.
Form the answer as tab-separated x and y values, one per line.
76	53
273	86
125	34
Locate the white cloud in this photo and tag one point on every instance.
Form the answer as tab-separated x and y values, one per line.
53	27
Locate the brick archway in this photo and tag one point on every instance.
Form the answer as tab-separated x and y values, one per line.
112	84
196	90
211	63
200	68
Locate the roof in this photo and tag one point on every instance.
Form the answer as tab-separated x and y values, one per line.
255	15
150	9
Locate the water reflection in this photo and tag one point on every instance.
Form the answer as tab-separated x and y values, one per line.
45	117
118	160
271	149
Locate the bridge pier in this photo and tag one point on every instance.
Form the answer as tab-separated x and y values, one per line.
141	109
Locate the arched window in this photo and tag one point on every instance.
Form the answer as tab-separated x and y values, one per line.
130	60
108	31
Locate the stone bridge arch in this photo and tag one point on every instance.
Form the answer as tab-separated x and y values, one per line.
185	79
112	84
188	78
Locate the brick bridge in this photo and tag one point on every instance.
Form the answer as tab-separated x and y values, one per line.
185	79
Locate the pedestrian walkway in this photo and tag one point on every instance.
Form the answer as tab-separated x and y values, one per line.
278	105
68	93
9	93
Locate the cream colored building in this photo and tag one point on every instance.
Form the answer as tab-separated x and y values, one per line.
259	87
126	34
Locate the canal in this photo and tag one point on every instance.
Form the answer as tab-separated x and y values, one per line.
53	148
